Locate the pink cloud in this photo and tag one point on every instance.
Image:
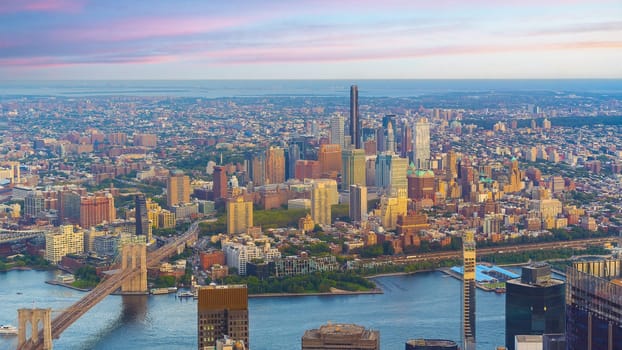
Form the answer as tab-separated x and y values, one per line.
144	28
49	62
345	53
8	6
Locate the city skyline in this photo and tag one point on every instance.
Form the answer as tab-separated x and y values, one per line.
81	39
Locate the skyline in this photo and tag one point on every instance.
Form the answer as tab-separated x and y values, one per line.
81	39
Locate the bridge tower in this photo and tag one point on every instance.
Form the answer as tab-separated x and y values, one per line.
32	318
134	255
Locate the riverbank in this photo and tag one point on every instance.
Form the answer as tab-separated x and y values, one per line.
57	283
389	274
332	293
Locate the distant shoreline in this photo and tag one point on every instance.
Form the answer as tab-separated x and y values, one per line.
340	292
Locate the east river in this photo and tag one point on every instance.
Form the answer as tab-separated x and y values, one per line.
421	305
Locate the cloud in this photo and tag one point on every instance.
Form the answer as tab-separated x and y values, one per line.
16	6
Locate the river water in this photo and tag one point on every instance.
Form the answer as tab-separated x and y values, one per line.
422	305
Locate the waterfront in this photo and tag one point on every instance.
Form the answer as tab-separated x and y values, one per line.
421	305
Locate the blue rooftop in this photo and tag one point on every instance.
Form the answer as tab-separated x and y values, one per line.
485	273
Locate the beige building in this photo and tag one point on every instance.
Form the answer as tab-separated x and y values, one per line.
177	189
391	208
239	215
63	242
323	196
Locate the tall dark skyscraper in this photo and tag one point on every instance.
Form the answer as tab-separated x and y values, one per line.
220	183
534	304
355	126
142	217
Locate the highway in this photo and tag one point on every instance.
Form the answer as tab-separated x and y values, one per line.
457	254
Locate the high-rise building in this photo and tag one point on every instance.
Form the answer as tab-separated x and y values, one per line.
468	291
143	226
307	169
337	126
220	183
258	169
534	304
62	242
222	311
593	305
239	215
389	130
275	165
34	203
358	203
421	144
293	156
177	189
323	196
421	185
451	165
355	126
329	157
391	171
341	336
97	208
406	140
353	168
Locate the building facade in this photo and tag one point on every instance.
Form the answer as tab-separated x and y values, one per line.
177	189
468	291
239	215
594	305
222	311
62	242
421	144
534	304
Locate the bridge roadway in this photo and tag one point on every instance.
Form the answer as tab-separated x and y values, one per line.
7	236
457	254
61	322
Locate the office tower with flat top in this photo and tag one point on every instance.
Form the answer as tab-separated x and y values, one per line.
222	311
421	144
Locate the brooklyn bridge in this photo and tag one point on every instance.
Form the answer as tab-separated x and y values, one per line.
130	278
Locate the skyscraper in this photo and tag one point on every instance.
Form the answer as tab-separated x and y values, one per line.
353	168
534	304
337	125
275	165
239	215
406	140
358	203
421	144
143	227
330	159
355	126
96	209
220	183
177	189
391	172
323	196
222	310
468	291
593	304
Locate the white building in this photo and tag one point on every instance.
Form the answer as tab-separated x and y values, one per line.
63	242
237	255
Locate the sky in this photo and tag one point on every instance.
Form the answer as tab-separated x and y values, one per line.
304	39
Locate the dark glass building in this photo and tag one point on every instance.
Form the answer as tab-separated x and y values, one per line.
355	123
594	305
142	217
534	304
